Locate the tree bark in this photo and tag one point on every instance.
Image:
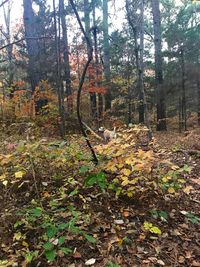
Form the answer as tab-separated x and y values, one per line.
106	49
58	73
161	109
93	100
198	95
66	56
183	96
32	43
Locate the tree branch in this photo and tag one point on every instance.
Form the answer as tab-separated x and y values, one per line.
20	40
3	3
82	79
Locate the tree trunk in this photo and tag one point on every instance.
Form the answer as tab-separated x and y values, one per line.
96	65
93	100
183	102
58	73
32	43
198	95
66	56
106	49
161	110
144	108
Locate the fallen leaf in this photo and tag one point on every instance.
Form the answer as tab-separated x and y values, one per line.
77	255
90	261
187	189
196	263
19	174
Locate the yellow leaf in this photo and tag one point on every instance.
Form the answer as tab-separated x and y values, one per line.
3	177
125	180
17	236
155	230
5	183
139	167
165	179
19	174
126	172
187	189
147	225
171	190
129	194
25	244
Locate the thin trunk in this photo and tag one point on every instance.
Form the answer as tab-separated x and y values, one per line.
9	48
93	100
144	107
106	48
183	102
66	56
198	95
96	65
32	43
58	74
161	109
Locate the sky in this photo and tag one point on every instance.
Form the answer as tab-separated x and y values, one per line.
17	12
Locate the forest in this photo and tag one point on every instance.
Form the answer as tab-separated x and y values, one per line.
99	133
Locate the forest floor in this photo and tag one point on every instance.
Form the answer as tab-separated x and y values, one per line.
58	209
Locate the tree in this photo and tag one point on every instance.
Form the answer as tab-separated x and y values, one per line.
160	92
66	64
106	49
87	11
32	43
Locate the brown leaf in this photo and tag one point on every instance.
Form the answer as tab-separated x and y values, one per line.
196	263
77	255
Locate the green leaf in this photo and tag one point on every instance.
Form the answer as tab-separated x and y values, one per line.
90	238
73	193
51	231
50	255
21	147
65	250
163	214
30	255
48	246
37	212
91	180
83	169
63	226
62	144
61	240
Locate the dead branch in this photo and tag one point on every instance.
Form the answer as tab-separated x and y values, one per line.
82	79
89	129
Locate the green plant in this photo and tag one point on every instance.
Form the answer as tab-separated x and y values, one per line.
159	214
96	178
52	237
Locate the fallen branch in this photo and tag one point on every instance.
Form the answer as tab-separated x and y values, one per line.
89	129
